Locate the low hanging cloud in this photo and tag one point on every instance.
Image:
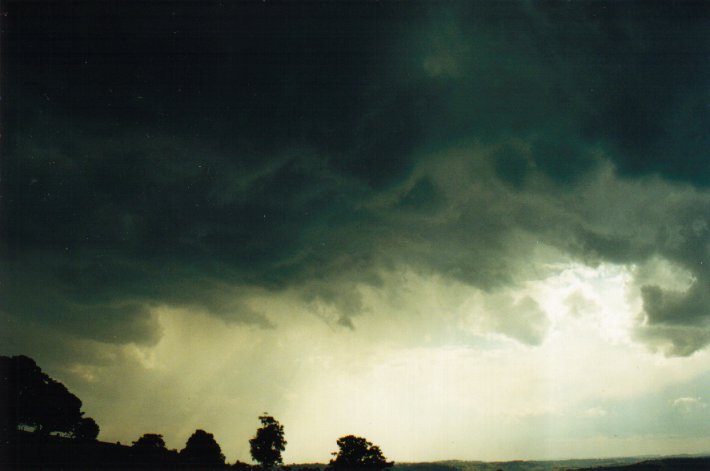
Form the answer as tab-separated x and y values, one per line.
459	158
521	320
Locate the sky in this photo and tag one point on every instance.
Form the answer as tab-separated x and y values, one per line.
462	230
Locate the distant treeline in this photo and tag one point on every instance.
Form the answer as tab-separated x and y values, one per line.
660	464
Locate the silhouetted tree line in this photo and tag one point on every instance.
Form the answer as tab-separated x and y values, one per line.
43	427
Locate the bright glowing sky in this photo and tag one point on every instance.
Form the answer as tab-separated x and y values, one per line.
471	230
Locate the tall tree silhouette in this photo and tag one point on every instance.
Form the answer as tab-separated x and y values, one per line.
358	453
202	450
30	398
267	445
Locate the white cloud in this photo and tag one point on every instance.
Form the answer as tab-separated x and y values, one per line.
687	405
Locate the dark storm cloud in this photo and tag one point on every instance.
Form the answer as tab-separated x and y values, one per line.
163	153
681	318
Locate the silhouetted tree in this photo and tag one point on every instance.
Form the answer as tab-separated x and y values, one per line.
86	429
267	445
33	399
150	441
202	450
358	453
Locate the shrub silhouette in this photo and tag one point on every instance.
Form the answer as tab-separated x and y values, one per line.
358	453
31	399
267	445
86	429
201	450
150	441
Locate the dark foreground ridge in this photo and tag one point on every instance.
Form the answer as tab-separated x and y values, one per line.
30	451
26	450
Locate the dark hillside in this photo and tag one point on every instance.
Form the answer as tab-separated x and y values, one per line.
25	450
